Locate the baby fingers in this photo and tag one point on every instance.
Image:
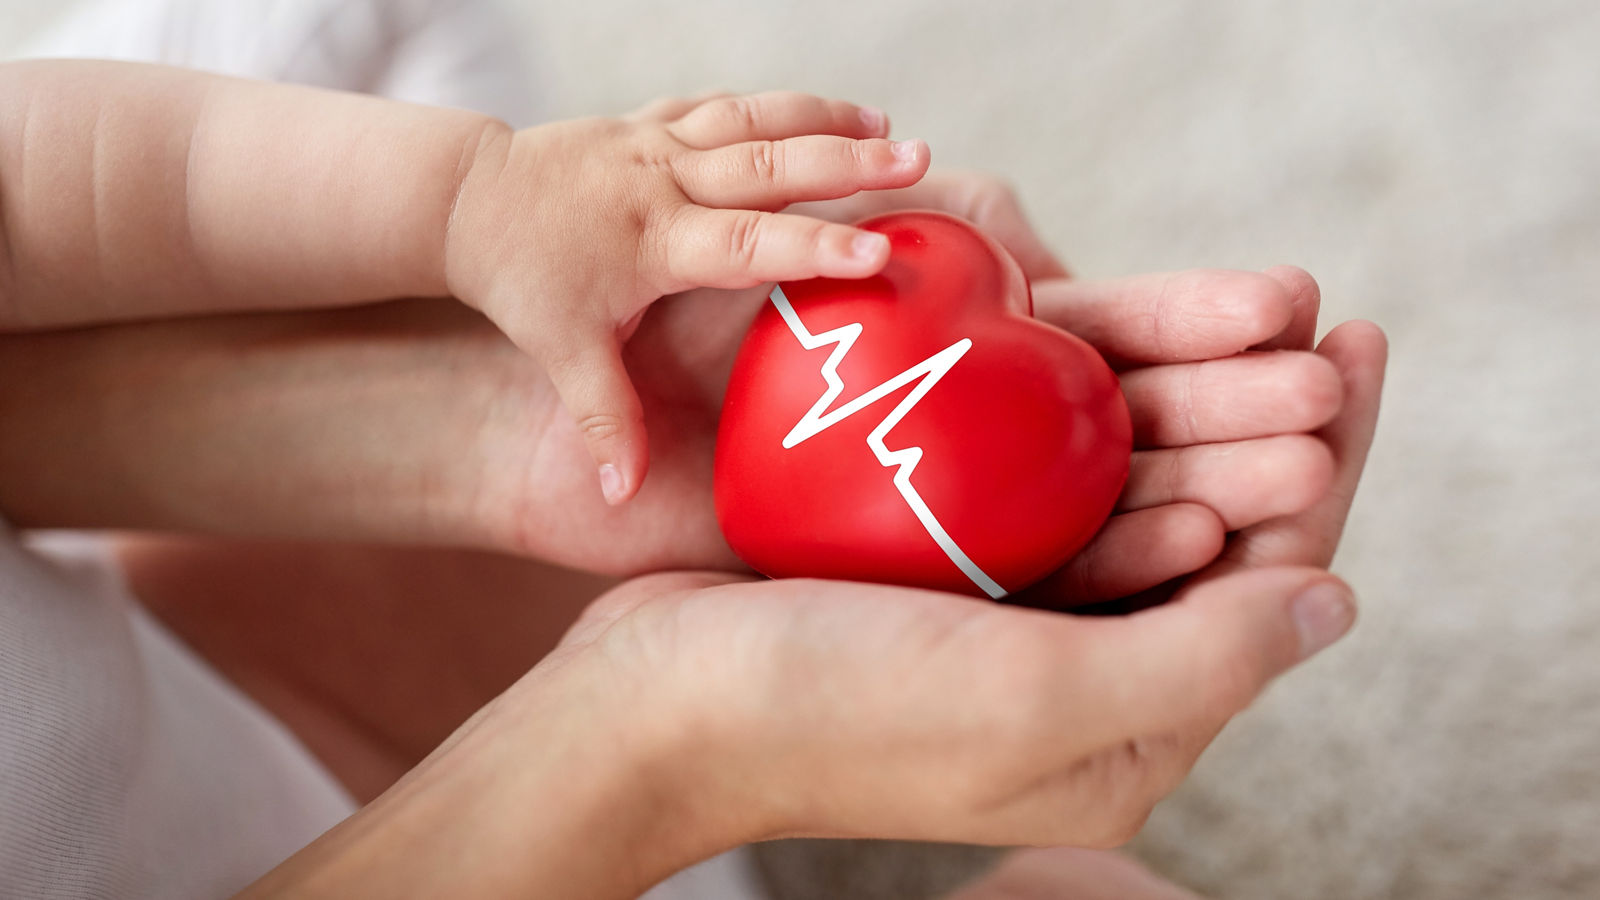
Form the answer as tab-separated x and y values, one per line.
739	248
774	115
772	174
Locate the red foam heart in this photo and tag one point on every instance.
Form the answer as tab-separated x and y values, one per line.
967	447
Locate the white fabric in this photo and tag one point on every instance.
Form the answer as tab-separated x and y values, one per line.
128	767
458	53
731	876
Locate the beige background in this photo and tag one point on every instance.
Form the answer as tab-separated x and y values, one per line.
1437	166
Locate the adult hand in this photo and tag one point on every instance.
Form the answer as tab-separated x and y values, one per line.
687	713
416	422
853	631
861	681
818	708
1358	351
854	710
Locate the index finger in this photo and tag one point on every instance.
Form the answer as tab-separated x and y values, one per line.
1186	316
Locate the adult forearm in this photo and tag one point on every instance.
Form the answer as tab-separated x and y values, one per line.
267	426
554	790
129	191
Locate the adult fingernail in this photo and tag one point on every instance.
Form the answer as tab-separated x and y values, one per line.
874	120
1322	614
905	151
868	245
611	483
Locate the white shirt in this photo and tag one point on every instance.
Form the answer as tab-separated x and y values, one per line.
128	768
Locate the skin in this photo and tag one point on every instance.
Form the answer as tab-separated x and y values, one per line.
132	191
493	402
907	714
270	616
413	372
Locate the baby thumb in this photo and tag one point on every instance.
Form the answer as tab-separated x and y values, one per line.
595	388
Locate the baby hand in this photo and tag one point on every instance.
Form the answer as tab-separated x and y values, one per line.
564	234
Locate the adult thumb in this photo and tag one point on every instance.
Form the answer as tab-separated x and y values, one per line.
1210	651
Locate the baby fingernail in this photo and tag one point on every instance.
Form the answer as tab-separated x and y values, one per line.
611	483
1322	614
905	151
867	245
874	120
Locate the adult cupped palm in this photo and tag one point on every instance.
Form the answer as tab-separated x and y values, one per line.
853	710
810	707
1224	435
693	712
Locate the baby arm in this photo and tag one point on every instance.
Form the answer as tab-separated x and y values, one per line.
134	191
131	191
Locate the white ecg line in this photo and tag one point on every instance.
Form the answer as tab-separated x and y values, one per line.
814	422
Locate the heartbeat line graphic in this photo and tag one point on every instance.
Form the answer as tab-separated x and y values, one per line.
814	422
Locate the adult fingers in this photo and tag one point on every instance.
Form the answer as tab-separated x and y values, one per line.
772	174
1245	396
980	198
594	386
1243	482
739	248
775	115
1172	317
1358	351
1306	298
1132	552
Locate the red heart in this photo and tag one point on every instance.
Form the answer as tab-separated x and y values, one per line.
968	447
